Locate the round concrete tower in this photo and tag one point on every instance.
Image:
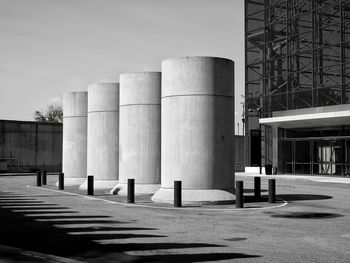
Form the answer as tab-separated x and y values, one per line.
103	135
197	129
74	137
139	156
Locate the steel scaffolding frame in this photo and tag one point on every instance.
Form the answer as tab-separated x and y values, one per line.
297	55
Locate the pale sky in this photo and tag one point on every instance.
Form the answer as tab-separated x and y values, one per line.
48	47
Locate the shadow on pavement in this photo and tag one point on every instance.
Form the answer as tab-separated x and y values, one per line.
26	225
307	215
247	191
302	197
195	257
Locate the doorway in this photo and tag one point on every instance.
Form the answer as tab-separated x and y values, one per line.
316	156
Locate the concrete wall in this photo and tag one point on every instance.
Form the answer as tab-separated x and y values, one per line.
27	146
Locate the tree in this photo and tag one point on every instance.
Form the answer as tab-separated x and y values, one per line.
53	114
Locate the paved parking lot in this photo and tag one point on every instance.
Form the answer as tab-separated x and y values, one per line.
42	225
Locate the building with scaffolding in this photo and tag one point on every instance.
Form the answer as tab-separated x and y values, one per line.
297	90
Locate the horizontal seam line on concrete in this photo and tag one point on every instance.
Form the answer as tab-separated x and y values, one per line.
74	116
141	104
208	95
93	111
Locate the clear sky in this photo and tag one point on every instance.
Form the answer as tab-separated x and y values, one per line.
48	47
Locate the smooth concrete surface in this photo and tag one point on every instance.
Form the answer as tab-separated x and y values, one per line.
103	135
74	137
139	132
197	128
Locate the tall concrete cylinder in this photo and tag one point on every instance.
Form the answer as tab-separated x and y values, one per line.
197	129
74	137
103	135
139	143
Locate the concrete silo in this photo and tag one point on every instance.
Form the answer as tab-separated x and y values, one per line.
197	129
103	135
74	137
139	155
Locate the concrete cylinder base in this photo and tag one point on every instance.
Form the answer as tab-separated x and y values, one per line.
72	181
194	197
100	184
140	189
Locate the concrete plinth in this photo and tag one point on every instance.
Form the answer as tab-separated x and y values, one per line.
99	184
194	197
103	135
74	137
140	189
197	129
139	132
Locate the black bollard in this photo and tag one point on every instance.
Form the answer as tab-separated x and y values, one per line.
61	181
239	194
272	190
38	178
177	194
90	185
131	191
44	177
257	188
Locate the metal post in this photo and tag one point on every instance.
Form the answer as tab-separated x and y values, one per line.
90	185
239	194
61	181
177	194
272	190
260	167
257	188
38	178
44	177
131	191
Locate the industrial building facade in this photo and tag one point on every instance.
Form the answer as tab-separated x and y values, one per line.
297	90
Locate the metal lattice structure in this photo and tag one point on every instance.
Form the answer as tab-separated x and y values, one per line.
297	55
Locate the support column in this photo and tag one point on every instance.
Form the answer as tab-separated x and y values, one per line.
197	130
74	137
277	154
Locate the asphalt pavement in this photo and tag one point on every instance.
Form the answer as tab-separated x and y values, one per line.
310	223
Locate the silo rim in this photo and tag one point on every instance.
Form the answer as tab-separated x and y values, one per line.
140	72
203	57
